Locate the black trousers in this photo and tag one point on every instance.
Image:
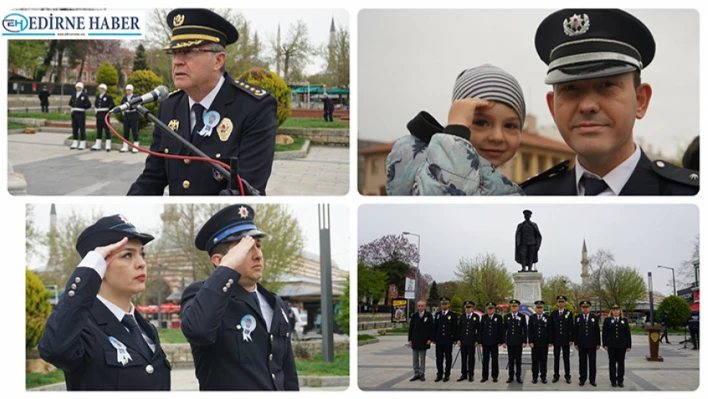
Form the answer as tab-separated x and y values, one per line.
665	334
328	116
443	351
468	353
487	352
588	355
557	349
130	122
78	124
616	356
539	360
514	352
45	107
101	126
694	337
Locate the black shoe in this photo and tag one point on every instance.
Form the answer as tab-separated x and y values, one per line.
422	378
567	380
614	384
510	380
471	378
534	381
621	385
495	380
581	383
593	383
438	378
415	378
484	379
543	380
518	379
462	378
555	379
446	379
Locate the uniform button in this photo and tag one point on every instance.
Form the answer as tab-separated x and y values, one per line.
231	281
228	285
271	337
273	376
167	150
660	164
270	357
73	286
78	280
71	294
187	161
218	155
185	184
225	289
149	369
287	334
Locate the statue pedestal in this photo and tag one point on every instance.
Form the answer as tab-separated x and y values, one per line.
527	287
654	335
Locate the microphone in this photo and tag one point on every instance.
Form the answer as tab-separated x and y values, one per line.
159	94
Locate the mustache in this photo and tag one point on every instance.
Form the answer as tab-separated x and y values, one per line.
594	119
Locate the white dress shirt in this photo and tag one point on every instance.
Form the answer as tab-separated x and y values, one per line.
617	177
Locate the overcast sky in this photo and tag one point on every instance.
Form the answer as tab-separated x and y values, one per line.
641	236
147	218
409	59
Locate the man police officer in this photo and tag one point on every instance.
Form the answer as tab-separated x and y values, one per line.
103	104
561	337
539	334
445	337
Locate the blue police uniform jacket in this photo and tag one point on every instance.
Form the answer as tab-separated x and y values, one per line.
491	330
561	327
76	340
616	334
515	330
246	130
445	328
587	335
469	329
539	330
82	101
213	321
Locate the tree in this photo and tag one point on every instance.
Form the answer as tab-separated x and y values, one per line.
37	309
342	317
294	52
372	283
617	284
484	279
600	259
456	304
32	234
389	248
557	285
424	281
433	297
337	55
686	273
108	75
26	55
396	272
447	288
140	61
161	63
143	82
678	308
277	87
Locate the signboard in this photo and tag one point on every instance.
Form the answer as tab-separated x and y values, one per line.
409	295
410	288
399	310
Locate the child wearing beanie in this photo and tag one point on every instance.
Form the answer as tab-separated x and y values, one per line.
483	132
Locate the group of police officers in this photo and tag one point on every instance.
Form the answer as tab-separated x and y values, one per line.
560	329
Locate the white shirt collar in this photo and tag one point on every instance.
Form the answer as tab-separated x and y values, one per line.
617	177
209	98
118	312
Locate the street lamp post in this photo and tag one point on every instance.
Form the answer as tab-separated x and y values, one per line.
417	268
159	298
673	276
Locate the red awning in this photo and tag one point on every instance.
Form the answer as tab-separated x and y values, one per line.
695	306
164	308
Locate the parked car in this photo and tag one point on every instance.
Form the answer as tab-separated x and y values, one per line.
300	323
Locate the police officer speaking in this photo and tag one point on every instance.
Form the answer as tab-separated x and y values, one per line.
223	117
103	104
79	103
238	330
94	334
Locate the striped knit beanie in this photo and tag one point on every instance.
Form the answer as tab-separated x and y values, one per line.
488	82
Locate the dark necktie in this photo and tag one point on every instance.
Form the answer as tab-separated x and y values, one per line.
586	318
254	294
132	326
198	118
593	186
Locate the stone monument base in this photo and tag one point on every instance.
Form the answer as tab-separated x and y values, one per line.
527	287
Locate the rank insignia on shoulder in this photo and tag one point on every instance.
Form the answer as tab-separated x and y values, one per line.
253	90
547	174
174	92
675	173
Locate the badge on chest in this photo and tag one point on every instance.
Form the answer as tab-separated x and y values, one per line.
248	323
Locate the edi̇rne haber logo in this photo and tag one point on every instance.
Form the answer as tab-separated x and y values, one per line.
74	23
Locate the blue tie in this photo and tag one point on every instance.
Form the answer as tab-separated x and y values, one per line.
198	119
254	294
593	186
132	326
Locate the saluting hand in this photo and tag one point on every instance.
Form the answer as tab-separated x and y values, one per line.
109	252
237	255
462	111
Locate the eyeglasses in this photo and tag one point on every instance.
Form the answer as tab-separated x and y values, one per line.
188	52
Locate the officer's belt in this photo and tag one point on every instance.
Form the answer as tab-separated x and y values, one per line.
102	109
78	110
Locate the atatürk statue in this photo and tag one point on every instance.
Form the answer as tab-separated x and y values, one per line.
528	242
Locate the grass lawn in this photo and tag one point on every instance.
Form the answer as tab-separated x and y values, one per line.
365	337
339	367
173	336
13	125
671	330
314	123
144	135
398	330
297	144
33	380
52	116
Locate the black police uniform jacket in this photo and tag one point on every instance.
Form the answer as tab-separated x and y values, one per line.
44	97
104	101
212	311
587	335
420	330
469	329
491	330
561	327
445	328
616	335
514	330
664	319
82	101
76	341
648	178
252	114
539	330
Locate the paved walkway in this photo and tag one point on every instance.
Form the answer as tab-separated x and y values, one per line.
50	168
386	365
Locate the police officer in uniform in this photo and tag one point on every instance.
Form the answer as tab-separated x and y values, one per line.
131	121
223	117
103	104
79	103
467	336
445	338
595	58
587	342
514	339
539	338
617	341
561	337
491	337
94	333
238	330
420	335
